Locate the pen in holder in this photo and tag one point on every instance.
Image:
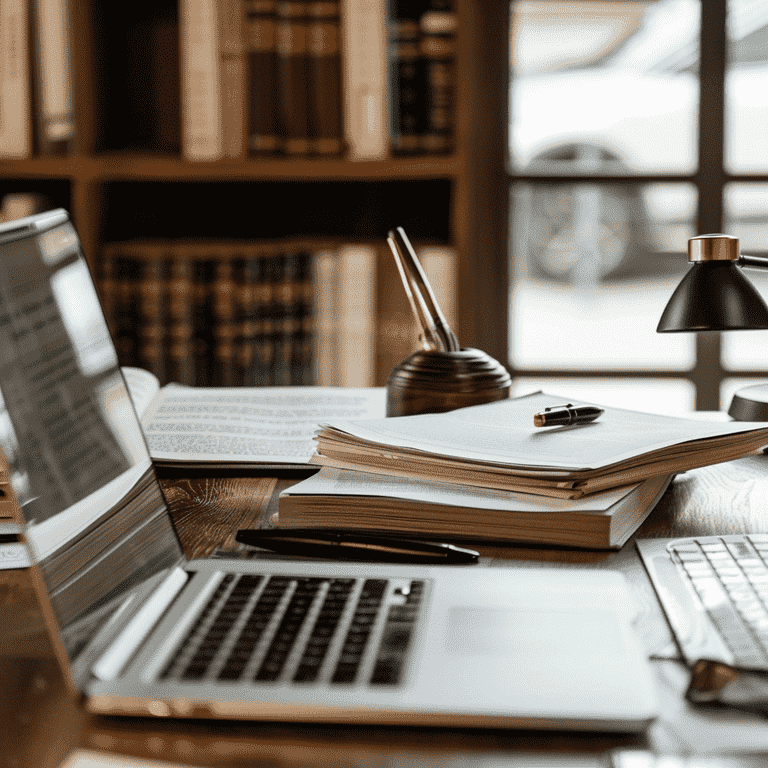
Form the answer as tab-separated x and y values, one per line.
442	376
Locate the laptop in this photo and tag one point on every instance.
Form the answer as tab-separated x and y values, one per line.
143	631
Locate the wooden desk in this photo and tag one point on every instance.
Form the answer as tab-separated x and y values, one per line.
726	498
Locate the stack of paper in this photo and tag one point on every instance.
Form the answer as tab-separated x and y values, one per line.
496	446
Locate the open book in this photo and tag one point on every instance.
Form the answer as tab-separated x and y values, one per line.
268	427
338	498
496	445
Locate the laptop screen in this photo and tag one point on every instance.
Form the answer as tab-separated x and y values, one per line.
96	520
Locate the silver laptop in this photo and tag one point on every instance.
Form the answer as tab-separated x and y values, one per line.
142	631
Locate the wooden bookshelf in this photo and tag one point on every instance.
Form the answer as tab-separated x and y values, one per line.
460	200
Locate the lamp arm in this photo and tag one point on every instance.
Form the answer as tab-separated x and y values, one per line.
752	262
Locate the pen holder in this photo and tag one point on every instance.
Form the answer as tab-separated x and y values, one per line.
433	382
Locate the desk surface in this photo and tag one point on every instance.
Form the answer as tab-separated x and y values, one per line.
726	498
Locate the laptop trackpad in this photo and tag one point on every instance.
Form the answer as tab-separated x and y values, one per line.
493	632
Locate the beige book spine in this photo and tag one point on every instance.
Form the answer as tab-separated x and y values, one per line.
202	138
15	93
357	320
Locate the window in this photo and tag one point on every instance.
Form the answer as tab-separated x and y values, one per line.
633	126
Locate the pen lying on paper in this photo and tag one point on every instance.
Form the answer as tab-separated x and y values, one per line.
317	542
565	415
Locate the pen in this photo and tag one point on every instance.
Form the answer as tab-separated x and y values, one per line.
316	542
435	331
565	415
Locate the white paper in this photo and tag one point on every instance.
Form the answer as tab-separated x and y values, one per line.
503	433
250	424
330	481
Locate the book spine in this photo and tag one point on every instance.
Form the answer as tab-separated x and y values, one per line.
284	318
357	321
301	361
224	329
325	347
292	35
204	270
126	312
233	78
180	357
406	77
153	305
438	54
202	138
325	78
263	341
261	79
365	78
439	264
15	87
246	286
53	68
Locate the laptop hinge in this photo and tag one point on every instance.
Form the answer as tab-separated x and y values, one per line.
111	663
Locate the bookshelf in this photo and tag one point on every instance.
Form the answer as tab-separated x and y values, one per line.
123	185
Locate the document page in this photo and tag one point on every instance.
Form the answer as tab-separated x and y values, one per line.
249	424
503	434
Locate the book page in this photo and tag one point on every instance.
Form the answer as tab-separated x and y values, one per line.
502	433
250	424
142	387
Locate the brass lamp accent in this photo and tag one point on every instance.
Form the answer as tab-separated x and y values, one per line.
714	295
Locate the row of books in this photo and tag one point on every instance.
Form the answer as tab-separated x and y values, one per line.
36	113
259	314
231	78
311	77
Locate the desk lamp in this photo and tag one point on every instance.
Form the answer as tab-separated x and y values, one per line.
715	296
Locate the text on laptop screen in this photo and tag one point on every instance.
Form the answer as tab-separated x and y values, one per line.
96	519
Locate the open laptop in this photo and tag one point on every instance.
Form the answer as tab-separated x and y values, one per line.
142	631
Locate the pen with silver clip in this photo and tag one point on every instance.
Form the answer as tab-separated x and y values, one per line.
319	542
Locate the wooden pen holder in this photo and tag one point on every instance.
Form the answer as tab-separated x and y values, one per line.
433	382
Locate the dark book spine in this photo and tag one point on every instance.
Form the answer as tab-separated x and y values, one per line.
293	75
283	318
238	277
438	55
302	369
203	321
224	327
180	357
326	125
154	305
263	342
262	85
247	289
406	77
126	313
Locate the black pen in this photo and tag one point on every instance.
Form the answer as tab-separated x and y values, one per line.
318	542
565	415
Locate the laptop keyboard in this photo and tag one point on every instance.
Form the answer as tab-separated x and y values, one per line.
729	576
302	630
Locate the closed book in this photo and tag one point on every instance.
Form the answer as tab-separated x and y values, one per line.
261	77
153	305
357	315
437	48
15	83
406	77
365	78
325	277
203	320
225	324
179	338
325	78
53	77
293	75
233	78
335	498
202	136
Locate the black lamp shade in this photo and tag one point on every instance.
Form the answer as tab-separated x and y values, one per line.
714	296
